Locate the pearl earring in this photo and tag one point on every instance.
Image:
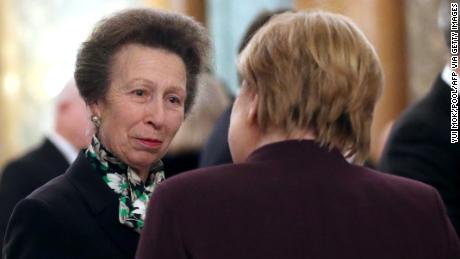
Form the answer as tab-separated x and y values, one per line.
96	120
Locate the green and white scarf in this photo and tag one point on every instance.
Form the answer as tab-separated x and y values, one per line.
132	193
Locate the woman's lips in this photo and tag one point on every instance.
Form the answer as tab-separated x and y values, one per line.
150	143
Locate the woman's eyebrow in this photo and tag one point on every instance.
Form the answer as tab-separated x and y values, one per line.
177	89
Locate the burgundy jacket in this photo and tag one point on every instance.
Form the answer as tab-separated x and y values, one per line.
294	199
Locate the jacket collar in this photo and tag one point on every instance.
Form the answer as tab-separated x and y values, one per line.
441	93
90	185
102	202
302	150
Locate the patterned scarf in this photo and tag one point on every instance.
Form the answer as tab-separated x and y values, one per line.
133	194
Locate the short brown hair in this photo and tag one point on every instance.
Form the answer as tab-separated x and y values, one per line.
152	28
315	71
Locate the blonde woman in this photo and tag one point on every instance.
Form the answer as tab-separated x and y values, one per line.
310	84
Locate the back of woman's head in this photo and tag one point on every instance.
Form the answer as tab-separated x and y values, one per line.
314	71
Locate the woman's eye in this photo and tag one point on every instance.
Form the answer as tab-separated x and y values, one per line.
174	99
139	92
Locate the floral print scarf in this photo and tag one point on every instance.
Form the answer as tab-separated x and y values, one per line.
133	194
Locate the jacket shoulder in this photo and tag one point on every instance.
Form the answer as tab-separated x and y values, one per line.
58	191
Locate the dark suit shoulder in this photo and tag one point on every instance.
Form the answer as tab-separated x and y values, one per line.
57	192
417	121
37	166
419	142
82	211
21	168
24	176
428	115
30	234
58	197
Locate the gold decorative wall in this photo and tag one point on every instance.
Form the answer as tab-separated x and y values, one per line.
426	49
194	8
9	85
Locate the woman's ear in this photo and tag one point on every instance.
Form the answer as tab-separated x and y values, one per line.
254	103
95	109
62	106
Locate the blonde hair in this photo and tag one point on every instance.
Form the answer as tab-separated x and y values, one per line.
314	71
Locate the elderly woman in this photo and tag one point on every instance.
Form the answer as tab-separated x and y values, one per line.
310	83
137	72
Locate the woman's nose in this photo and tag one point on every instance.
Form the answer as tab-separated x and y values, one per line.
155	113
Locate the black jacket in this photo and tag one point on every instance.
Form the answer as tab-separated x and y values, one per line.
419	148
22	176
73	216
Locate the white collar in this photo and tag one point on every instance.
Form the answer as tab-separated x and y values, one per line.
446	76
70	152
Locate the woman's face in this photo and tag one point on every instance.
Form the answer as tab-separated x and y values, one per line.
144	106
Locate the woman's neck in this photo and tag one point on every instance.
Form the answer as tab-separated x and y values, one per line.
143	174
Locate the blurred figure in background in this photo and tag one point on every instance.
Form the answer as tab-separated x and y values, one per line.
184	151
72	132
419	145
216	150
310	82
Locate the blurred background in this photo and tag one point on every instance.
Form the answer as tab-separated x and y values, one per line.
39	40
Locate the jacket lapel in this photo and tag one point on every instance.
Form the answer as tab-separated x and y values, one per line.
103	204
